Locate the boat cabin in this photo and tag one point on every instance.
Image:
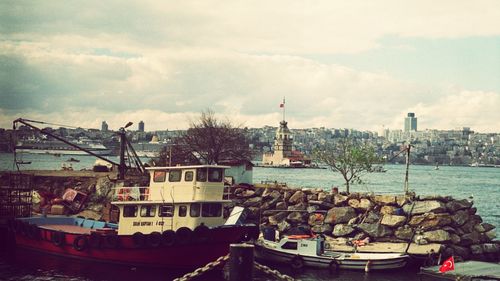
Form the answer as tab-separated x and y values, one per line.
180	196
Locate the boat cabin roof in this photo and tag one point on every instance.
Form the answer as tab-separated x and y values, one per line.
187	167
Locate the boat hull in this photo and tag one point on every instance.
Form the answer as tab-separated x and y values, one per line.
123	249
340	260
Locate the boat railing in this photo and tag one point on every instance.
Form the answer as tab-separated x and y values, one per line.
134	193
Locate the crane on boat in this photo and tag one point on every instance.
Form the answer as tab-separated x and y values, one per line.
126	148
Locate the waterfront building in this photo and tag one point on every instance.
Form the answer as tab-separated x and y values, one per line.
411	122
283	153
141	126
104	126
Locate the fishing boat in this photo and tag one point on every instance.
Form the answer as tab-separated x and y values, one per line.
307	250
180	220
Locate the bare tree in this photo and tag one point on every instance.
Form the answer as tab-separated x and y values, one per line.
349	158
208	140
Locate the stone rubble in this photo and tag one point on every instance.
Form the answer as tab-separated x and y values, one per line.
385	218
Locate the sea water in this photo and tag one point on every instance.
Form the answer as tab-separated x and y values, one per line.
479	184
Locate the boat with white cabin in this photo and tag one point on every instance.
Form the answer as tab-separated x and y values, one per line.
180	220
310	251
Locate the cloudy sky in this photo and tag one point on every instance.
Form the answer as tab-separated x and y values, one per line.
349	64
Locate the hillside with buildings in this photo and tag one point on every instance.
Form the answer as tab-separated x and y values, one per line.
430	146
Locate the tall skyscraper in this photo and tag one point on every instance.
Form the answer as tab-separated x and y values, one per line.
411	122
104	126
141	126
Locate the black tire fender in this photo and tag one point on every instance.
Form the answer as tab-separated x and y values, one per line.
95	240
168	238
80	243
112	241
184	235
154	239
201	233
139	239
58	238
297	263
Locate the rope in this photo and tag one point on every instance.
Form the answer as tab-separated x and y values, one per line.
199	271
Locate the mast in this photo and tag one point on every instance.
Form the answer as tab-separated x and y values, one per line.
407	167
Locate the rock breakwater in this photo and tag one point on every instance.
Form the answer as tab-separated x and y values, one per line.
453	223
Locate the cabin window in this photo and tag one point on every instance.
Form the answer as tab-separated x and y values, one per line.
289	246
159	176
194	210
183	211
166	211
129	211
188	176
214	175
148	211
174	175
201	174
211	210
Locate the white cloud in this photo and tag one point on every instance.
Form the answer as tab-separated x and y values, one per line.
164	62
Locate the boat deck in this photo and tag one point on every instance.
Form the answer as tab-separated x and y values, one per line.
469	270
67	228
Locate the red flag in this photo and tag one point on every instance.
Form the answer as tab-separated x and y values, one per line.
448	265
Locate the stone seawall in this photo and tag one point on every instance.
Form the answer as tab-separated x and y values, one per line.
383	218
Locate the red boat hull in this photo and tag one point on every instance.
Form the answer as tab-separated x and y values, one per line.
190	255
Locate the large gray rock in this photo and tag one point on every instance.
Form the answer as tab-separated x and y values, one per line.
430	220
342	230
281	206
277	218
422	207
324	228
339	199
323	196
438	235
246	193
362	204
295	218
490	235
404	233
340	215
271	194
470	238
385	199
460	251
372	217
284	226
375	230
321	204
316	219
387	210
393	220
484	227
297	197
460	217
252	202
455	205
298	207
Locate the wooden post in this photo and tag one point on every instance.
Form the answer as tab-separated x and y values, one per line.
241	262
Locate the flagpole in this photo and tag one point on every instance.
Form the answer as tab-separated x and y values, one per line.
283	108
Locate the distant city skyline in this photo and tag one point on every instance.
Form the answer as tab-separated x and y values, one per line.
356	64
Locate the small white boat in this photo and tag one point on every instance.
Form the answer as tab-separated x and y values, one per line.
300	251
